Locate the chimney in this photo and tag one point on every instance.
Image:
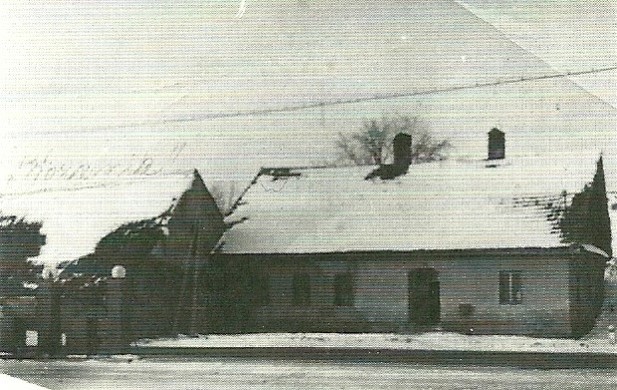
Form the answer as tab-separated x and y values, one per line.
402	160
402	150
496	144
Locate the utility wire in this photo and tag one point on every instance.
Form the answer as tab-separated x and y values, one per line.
329	103
387	96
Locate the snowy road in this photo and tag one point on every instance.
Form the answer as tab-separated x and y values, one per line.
177	373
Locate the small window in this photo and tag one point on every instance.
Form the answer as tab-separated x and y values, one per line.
343	290
510	288
262	290
301	289
32	338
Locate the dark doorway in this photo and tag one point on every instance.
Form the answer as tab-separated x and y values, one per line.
424	306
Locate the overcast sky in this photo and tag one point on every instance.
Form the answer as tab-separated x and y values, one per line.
117	82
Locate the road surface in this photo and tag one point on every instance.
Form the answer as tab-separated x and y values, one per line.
195	373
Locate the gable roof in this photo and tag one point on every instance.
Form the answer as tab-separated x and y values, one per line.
75	217
445	205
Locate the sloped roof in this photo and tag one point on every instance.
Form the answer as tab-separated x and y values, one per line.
441	205
78	214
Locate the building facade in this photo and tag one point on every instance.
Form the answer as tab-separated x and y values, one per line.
548	292
493	246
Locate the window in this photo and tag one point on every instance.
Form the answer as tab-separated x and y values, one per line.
301	289
262	290
510	288
32	338
343	290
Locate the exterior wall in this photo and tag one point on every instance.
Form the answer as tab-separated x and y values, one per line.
37	314
96	322
381	292
475	281
79	321
321	314
79	325
17	314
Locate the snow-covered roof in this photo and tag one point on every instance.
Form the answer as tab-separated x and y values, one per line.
444	205
77	214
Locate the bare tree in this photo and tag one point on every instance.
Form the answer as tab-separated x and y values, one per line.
372	144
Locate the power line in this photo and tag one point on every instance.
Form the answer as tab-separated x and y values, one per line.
360	99
321	104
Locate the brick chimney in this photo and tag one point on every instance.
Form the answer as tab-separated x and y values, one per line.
496	144
402	160
402	150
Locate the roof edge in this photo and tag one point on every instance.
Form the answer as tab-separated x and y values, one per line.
594	249
519	251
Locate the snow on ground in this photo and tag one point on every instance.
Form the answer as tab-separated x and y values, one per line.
182	373
8	382
439	341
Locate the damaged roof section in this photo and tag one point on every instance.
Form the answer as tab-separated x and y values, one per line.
443	205
74	220
279	173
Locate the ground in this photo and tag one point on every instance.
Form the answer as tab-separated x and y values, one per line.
184	374
434	341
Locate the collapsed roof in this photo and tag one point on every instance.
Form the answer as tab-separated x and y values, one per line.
75	218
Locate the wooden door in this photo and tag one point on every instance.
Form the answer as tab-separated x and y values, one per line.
424	305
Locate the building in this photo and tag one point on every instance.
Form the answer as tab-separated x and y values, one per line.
496	245
500	246
160	229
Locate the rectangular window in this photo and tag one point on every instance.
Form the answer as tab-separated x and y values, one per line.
32	338
301	289
510	288
262	290
343	290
